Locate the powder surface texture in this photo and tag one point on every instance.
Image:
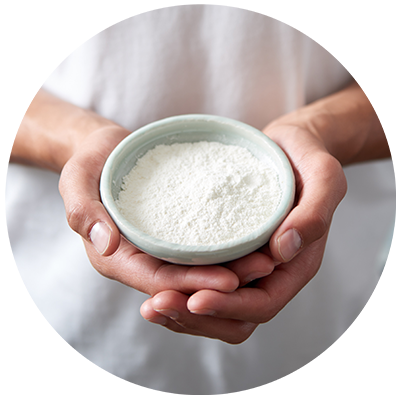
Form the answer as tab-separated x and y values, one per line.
201	193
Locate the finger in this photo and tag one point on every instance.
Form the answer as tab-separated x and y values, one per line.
251	304
321	187
189	279
253	266
79	188
150	275
85	213
172	305
261	303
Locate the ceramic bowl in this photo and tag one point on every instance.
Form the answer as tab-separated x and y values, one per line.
193	128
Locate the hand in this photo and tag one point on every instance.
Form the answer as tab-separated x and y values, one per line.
65	138
285	266
112	255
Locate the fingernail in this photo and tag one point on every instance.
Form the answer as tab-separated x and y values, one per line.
289	244
158	319
203	311
169	313
255	275
100	236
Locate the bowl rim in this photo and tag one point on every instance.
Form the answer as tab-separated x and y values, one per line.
136	235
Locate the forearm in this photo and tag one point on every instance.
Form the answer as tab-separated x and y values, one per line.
346	123
52	130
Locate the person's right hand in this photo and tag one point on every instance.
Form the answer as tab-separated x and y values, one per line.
111	254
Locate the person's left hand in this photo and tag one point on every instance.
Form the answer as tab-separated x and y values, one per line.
284	267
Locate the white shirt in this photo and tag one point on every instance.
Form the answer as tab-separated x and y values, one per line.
196	59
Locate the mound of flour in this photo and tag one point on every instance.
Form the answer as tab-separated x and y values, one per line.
200	193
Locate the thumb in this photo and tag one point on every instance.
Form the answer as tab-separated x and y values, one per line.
319	193
85	213
79	188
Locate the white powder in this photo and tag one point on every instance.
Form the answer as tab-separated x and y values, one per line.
199	193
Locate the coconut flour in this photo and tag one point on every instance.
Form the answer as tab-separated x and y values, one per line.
200	193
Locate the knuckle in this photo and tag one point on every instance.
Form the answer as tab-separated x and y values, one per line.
75	208
342	187
107	272
334	174
162	276
241	334
174	277
320	224
106	268
76	217
67	172
318	221
266	313
62	180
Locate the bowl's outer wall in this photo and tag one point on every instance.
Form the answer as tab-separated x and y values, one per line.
194	128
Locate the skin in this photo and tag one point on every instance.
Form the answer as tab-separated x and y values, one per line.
318	139
223	302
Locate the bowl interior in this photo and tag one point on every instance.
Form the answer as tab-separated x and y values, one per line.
193	128
193	131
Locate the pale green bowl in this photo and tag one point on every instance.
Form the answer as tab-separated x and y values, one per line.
193	128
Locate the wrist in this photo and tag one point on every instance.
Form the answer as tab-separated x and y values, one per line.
306	120
74	126
102	140
53	130
340	123
345	123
